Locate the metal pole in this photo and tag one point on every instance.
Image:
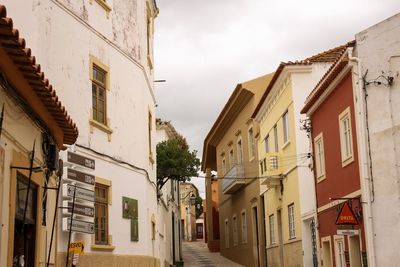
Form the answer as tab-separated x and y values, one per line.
1	119
70	226
59	175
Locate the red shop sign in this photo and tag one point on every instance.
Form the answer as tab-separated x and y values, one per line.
346	215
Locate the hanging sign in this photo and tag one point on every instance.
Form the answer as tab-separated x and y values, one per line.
347	232
78	226
80	160
346	216
79	209
78	176
81	193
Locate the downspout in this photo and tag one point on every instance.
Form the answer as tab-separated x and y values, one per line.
364	164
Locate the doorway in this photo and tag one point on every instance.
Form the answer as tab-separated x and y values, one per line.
256	240
354	251
326	252
280	237
24	246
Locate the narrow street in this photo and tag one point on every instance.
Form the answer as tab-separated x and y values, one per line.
196	254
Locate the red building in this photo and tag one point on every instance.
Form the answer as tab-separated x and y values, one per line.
330	108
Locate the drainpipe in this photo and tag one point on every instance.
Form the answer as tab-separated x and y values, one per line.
364	165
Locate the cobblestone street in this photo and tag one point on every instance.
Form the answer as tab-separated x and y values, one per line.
196	254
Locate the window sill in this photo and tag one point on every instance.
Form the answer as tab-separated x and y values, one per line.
101	127
321	178
104	5
285	145
347	161
102	247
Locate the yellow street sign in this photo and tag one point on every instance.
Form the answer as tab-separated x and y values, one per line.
76	247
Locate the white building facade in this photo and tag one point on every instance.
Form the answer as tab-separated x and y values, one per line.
99	55
376	62
168	206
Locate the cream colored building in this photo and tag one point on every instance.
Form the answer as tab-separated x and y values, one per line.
230	149
99	54
287	184
188	194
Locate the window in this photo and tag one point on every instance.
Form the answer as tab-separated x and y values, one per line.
285	122
339	252
239	152
235	231
319	156
292	230
223	165
99	99
346	142
231	158
244	227
252	151
276	138
261	167
271	229
266	143
226	233
150	127
101	214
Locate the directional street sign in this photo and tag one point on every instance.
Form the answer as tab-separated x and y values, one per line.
81	193
81	160
78	176
79	209
78	226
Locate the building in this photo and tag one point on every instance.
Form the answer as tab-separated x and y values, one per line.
330	108
102	64
376	67
230	150
211	214
169	206
188	195
287	187
34	126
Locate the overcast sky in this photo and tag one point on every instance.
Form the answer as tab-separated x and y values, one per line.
203	48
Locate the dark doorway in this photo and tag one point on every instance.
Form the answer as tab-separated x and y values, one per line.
24	226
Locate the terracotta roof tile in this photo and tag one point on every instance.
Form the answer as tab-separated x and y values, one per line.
328	77
21	56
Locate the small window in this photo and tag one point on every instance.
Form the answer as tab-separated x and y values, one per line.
99	99
226	233
285	122
244	227
252	151
346	142
266	144
319	156
239	152
292	229
276	138
223	165
235	231
231	158
150	128
271	229
101	214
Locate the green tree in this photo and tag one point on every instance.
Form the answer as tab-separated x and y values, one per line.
175	161
198	206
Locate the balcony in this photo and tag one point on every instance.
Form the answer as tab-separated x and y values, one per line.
233	179
274	170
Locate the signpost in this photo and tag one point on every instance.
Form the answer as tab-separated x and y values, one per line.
81	193
78	225
347	232
79	209
346	216
81	160
78	176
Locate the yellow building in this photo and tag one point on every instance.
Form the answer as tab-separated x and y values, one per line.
230	149
286	178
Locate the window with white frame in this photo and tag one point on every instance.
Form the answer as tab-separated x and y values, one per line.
346	142
271	229
252	151
239	152
226	233
266	144
235	231
292	228
276	138
285	122
319	156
